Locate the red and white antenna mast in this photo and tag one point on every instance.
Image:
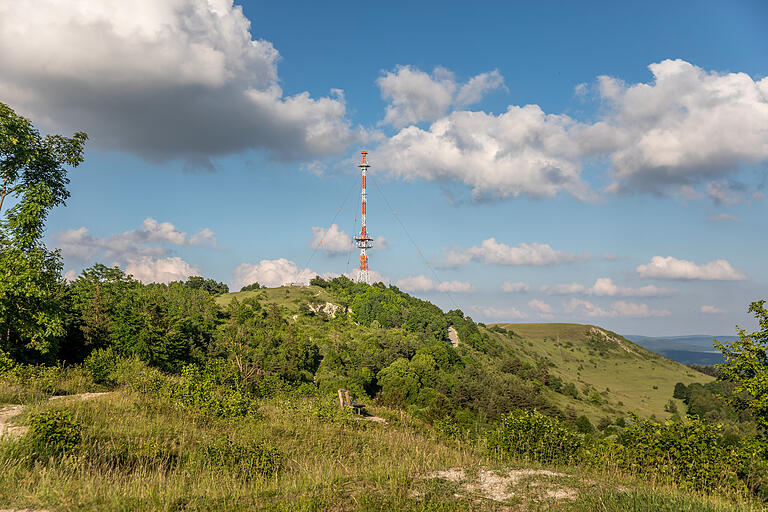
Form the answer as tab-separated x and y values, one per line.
364	241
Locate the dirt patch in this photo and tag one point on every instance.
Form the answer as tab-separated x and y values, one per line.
329	308
502	486
6	413
609	337
11	411
453	336
22	510
375	419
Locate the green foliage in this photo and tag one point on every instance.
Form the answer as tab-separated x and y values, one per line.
207	285
54	433
212	389
32	172
583	425
533	436
327	410
694	453
247	459
746	364
165	325
681	391
250	287
201	389
101	363
24	383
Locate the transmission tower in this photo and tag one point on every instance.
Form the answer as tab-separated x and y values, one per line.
364	241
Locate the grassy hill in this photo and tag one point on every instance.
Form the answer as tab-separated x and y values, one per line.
623	375
611	374
248	419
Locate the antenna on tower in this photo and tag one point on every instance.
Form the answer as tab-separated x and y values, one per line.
364	241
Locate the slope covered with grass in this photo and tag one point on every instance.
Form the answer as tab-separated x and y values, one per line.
610	372
138	450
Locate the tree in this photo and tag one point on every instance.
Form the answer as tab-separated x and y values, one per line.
746	364
33	175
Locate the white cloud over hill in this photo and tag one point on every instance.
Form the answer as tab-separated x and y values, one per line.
79	245
542	308
160	270
493	252
271	273
422	283
619	308
672	268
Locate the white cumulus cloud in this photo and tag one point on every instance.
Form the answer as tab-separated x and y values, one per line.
422	283
520	151
507	313
79	245
331	240
688	128
618	308
508	287
271	273
163	79
604	287
415	96
493	252
672	268
542	308
160	270
711	310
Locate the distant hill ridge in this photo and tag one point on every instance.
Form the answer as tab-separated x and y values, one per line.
690	349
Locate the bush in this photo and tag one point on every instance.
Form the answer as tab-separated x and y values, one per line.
207	388
102	364
584	426
54	433
327	410
249	459
531	435
693	453
35	381
199	389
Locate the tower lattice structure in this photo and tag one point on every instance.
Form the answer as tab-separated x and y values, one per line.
364	240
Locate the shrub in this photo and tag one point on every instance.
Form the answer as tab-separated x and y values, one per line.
205	388
249	459
54	433
101	364
531	435
199	389
692	453
327	409
583	425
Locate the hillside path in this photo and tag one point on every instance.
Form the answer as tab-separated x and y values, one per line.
7	412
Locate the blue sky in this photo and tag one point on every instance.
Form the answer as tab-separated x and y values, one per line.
603	162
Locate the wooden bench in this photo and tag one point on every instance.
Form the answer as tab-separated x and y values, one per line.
345	400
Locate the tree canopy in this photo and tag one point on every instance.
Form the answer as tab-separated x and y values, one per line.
746	364
33	175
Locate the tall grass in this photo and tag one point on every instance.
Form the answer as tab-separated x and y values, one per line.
150	451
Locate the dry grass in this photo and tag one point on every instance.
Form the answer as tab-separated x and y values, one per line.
139	453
